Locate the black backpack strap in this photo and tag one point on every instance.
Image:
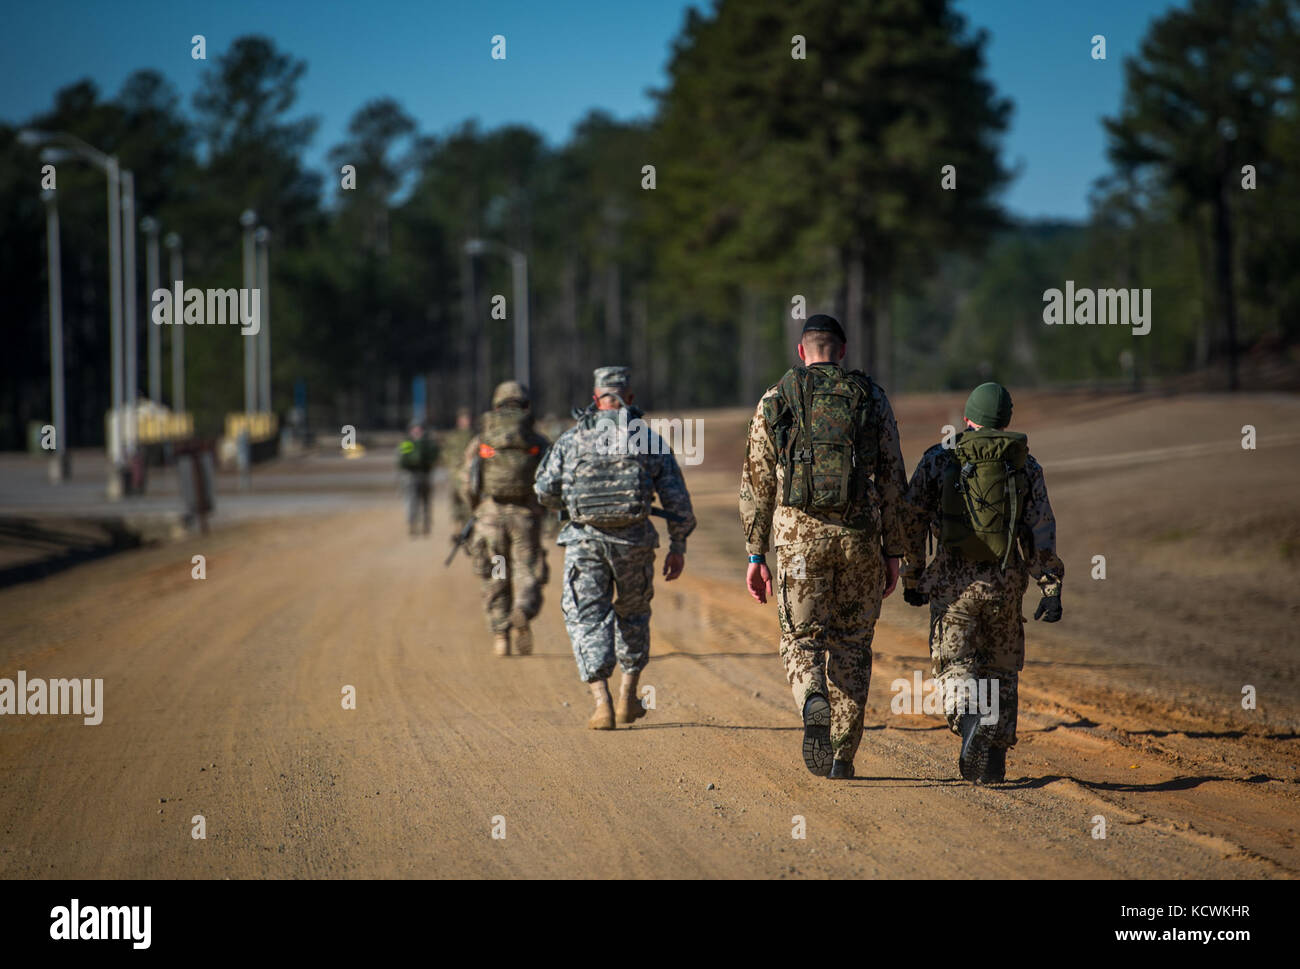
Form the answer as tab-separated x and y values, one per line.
793	404
804	454
1013	515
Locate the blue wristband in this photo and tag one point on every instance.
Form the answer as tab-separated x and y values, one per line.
758	559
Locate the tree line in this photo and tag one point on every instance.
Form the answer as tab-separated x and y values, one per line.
842	156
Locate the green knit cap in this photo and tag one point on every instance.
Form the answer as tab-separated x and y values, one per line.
989	405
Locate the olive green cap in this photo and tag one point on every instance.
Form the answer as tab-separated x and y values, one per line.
989	405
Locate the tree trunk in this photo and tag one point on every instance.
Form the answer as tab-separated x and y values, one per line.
1223	275
884	345
641	355
614	349
1209	307
857	322
750	345
572	386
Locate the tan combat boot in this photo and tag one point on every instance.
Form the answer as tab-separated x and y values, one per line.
501	643
629	704
521	634
603	717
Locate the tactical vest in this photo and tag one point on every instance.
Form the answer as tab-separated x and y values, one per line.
508	454
827	439
609	486
983	494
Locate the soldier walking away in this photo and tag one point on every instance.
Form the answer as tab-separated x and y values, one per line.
495	487
983	503
823	483
604	474
416	457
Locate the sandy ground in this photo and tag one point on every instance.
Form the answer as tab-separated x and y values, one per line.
222	696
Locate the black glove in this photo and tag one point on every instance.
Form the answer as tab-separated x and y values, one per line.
915	597
1049	608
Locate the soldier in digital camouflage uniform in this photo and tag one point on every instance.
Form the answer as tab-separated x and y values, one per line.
976	626
604	473
833	567
495	485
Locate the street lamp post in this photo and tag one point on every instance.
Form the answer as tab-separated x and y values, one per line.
249	220
131	390
519	272
519	266
59	467
115	323
175	270
263	239
59	146
149	226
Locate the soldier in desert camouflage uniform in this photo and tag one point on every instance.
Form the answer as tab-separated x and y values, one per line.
495	485
828	496
604	473
976	626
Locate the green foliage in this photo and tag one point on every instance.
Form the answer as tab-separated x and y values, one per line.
775	176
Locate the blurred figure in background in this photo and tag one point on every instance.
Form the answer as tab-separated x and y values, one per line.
416	457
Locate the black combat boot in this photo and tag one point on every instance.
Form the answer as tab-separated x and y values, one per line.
841	770
995	771
976	739
817	754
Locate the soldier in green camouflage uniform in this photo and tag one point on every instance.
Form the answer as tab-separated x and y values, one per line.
833	567
416	457
604	473
976	626
495	485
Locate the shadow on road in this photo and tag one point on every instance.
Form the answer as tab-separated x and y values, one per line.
64	546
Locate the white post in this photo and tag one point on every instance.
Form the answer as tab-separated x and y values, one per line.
176	271
248	220
149	226
59	467
263	239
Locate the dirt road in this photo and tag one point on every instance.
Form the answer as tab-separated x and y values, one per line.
222	697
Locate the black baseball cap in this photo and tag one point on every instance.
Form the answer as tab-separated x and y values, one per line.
820	322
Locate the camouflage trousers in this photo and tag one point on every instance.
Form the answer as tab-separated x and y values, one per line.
974	638
828	594
508	557
606	605
419	495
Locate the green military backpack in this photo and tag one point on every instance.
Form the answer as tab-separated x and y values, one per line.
508	454
984	491
825	439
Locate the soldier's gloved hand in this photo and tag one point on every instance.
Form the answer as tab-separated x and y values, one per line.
674	562
915	597
1049	608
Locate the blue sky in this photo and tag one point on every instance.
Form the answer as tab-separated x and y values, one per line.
564	57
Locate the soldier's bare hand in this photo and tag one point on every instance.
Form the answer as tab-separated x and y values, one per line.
891	570
759	580
674	562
